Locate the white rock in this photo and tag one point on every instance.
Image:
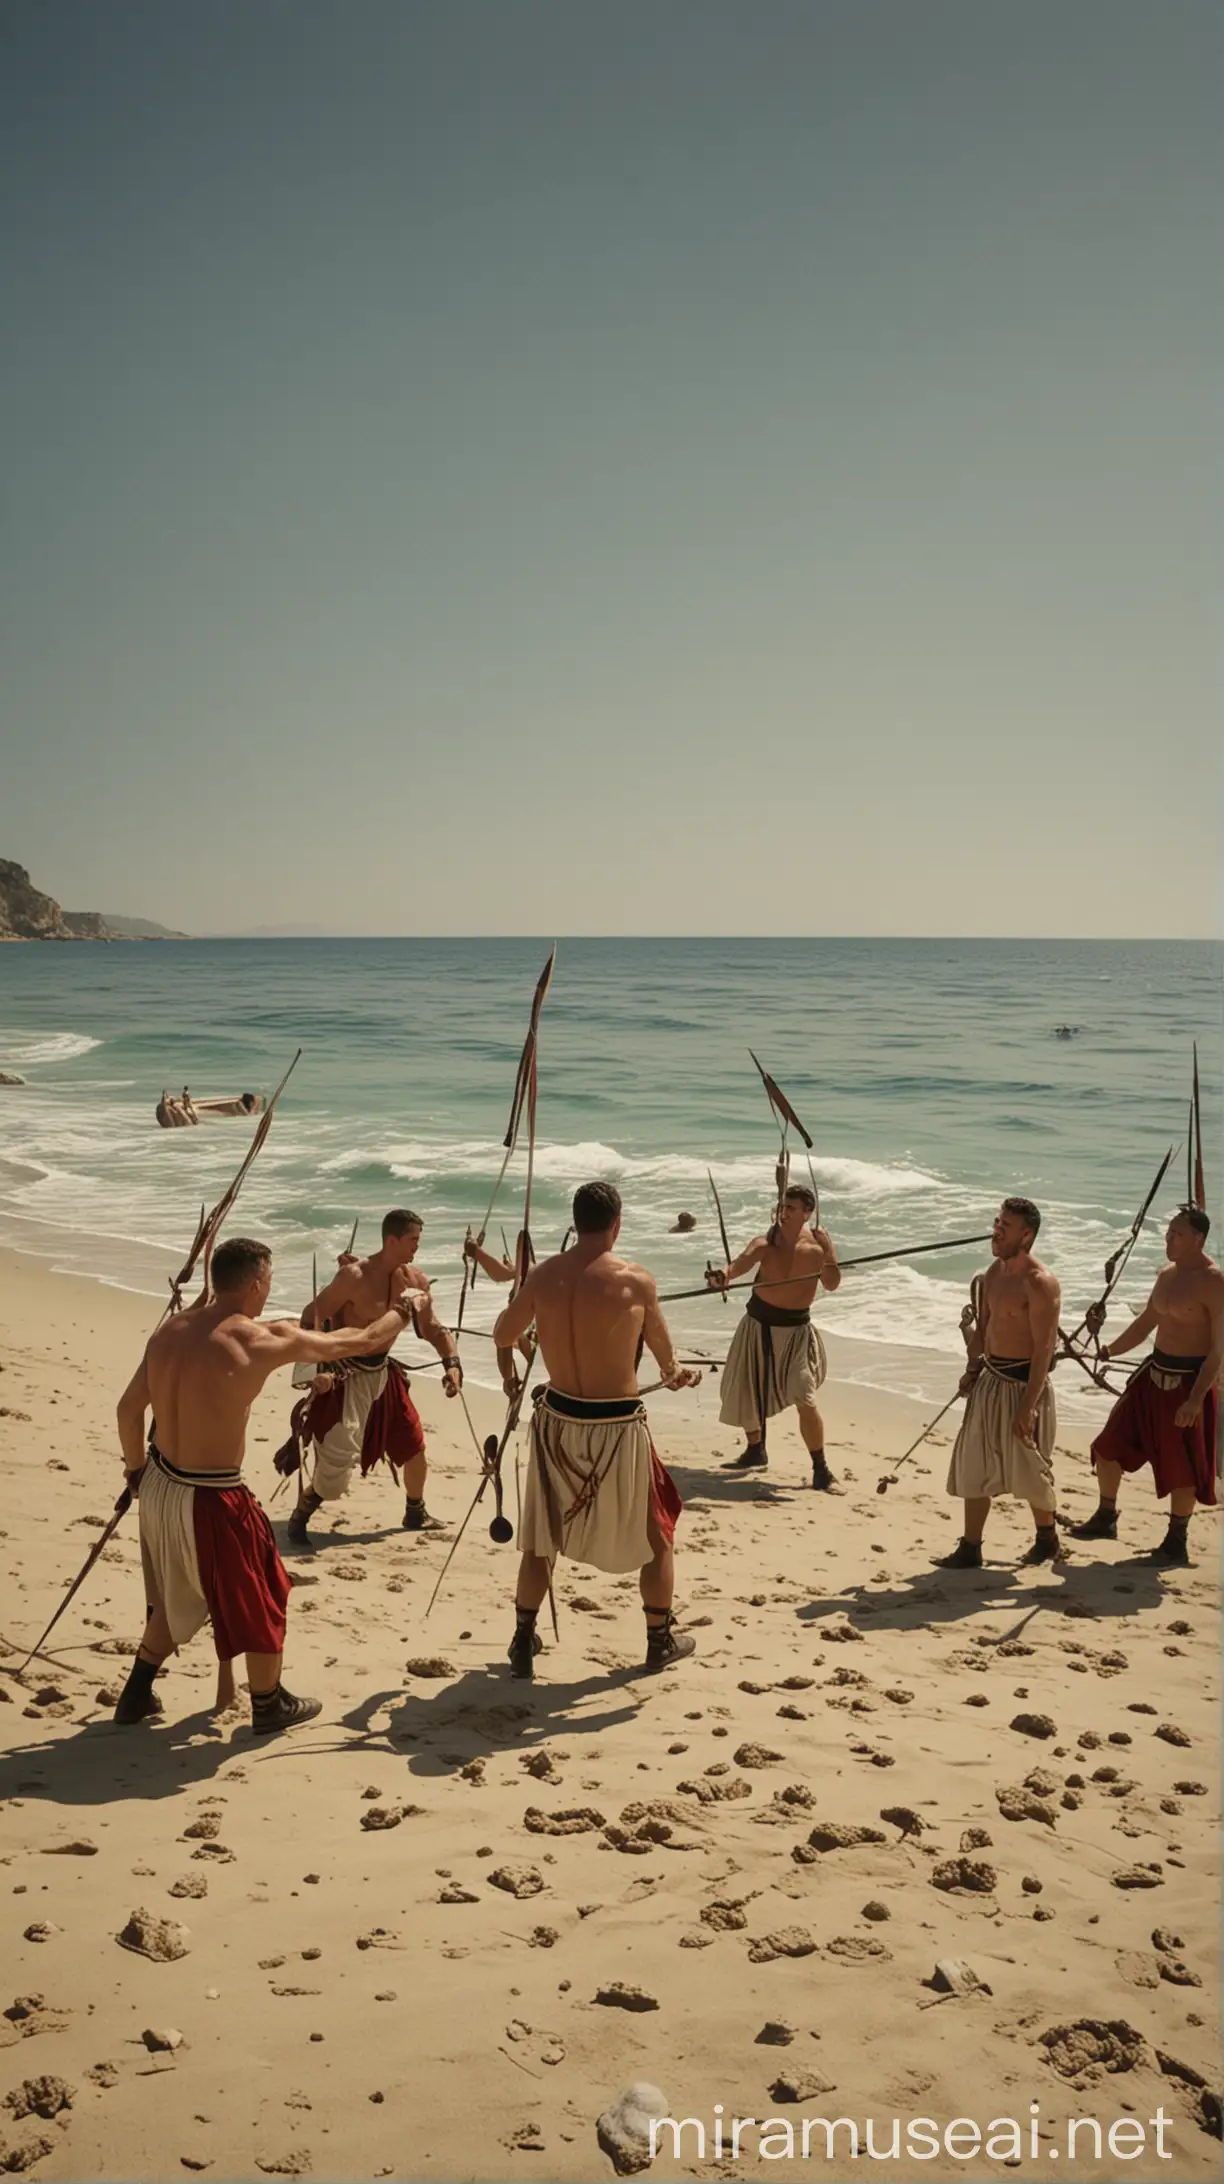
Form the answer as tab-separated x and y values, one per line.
624	2127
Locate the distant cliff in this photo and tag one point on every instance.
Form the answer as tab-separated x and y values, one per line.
27	914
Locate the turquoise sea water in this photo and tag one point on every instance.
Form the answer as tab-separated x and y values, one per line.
928	1073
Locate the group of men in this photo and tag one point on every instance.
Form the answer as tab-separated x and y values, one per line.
596	1490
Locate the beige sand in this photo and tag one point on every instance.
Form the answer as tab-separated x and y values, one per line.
340	2018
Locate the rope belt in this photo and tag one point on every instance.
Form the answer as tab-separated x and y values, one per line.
1008	1368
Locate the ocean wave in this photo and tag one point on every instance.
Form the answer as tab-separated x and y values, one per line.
25	1050
571	1164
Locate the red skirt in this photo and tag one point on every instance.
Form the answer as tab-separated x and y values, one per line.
665	1502
242	1576
393	1429
1140	1430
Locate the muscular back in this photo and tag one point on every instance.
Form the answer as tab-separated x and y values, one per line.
589	1318
202	1382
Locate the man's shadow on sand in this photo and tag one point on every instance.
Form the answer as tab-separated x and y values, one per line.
1093	1593
102	1764
486	1710
705	1483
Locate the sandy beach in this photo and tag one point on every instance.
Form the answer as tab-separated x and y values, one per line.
399	1921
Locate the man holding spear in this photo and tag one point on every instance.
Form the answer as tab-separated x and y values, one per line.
777	1361
1167	1415
205	1543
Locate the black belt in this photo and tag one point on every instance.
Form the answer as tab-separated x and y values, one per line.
1170	1364
1011	1368
576	1406
776	1315
193	1478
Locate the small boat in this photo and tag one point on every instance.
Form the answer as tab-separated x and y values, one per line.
181	1111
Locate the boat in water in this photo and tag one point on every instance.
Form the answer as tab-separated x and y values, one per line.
181	1111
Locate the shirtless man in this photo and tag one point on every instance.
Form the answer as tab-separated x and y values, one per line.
205	1543
1167	1415
1006	1441
596	1490
370	1395
776	1361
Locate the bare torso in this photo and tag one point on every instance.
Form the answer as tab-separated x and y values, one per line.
203	1380
590	1315
1010	1292
1183	1299
786	1263
368	1289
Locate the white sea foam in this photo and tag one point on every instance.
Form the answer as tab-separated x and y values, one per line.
28	1050
571	1164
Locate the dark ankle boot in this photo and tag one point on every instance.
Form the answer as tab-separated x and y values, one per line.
1102	1524
1045	1548
298	1522
966	1555
525	1644
272	1711
666	1645
138	1701
822	1478
1173	1552
416	1516
752	1458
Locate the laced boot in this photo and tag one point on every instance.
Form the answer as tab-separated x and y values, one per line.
138	1701
525	1644
665	1645
822	1478
272	1711
967	1555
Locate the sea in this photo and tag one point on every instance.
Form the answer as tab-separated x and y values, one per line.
933	1076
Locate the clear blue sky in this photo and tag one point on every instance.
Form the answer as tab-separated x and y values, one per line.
621	467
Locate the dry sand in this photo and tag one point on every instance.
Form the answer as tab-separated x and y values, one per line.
366	2001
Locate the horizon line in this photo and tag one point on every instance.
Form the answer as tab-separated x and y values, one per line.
1104	939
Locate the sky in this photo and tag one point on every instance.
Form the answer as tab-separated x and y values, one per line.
542	466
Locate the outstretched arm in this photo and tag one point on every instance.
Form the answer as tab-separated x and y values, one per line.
719	1277
283	1342
498	1270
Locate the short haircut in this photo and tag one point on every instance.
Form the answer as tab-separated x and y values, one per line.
399	1221
595	1207
803	1193
1027	1211
1198	1218
237	1263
